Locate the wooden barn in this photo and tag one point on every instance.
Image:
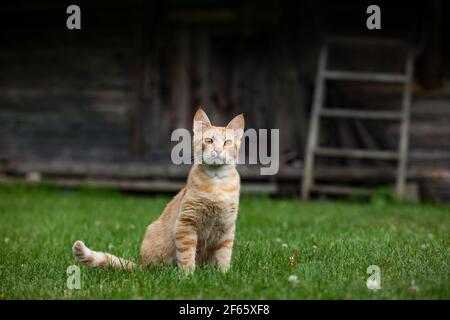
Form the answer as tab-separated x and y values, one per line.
98	105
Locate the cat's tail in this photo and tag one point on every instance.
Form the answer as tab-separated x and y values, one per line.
99	259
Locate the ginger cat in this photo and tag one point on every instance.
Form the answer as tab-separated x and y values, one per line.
198	224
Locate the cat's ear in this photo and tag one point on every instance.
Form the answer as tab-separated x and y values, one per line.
201	121
237	124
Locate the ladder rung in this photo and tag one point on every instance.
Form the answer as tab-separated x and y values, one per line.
357	153
335	189
361	114
365	76
372	41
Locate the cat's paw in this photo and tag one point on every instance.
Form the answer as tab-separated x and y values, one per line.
187	270
224	268
81	252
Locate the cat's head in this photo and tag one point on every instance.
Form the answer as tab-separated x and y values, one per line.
217	145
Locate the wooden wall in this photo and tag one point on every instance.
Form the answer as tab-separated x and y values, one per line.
114	91
66	95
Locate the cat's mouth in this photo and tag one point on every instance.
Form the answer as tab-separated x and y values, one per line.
217	160
214	161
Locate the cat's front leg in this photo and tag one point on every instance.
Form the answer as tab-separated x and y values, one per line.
186	241
223	250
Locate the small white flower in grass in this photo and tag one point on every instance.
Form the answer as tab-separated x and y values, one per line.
110	246
293	279
284	245
278	240
424	246
314	247
414	288
6	240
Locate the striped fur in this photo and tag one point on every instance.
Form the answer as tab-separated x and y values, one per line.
99	259
198	224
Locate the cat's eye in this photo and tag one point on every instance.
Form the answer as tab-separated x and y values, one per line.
208	140
228	143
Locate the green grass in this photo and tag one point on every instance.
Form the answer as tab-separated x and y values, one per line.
329	247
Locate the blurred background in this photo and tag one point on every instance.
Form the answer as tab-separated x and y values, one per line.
97	106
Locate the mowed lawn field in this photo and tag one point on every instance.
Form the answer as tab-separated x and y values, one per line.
284	249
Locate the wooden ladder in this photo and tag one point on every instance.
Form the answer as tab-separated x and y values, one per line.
313	148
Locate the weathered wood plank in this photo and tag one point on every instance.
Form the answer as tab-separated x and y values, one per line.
357	153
